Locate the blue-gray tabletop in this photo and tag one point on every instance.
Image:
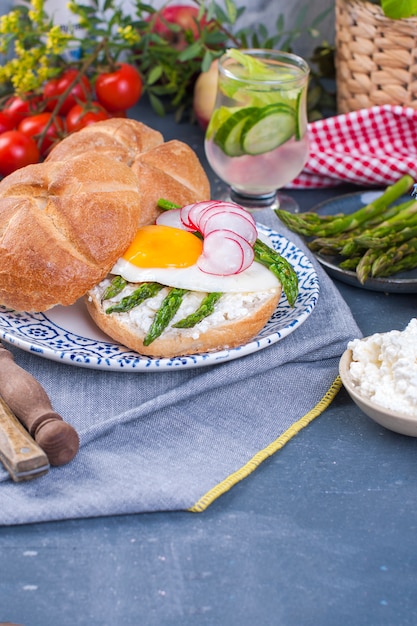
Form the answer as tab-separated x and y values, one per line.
322	533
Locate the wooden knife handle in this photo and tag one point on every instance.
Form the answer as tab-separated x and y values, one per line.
19	453
30	403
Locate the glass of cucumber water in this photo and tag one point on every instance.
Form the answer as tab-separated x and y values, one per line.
256	140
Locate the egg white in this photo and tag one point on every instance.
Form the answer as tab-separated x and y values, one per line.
256	278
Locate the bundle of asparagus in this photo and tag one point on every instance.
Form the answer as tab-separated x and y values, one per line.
377	240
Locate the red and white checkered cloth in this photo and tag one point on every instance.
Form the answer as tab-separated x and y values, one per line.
373	147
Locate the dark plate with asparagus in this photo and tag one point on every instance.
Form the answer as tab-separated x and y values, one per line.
367	239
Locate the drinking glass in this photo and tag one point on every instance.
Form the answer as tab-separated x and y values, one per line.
256	140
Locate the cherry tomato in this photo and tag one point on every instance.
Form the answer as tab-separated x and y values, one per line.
34	125
56	87
120	89
17	108
80	116
6	122
16	150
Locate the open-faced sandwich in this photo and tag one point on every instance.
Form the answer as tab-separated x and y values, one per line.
198	280
190	280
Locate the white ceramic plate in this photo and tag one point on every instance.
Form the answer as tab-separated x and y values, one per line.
404	282
68	334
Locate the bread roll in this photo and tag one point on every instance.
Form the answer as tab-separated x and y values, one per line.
63	224
169	170
237	318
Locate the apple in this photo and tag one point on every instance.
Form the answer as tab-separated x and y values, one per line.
204	97
184	16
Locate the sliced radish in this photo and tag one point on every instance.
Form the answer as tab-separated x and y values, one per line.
172	218
247	248
195	207
200	209
229	221
225	253
197	210
229	232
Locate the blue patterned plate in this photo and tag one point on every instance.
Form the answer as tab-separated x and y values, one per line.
68	334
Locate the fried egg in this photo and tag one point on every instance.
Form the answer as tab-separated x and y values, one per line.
168	256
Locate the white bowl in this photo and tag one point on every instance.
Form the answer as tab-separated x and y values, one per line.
393	420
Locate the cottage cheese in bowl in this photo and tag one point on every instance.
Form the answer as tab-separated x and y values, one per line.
384	368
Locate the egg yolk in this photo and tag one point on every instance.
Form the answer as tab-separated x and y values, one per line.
163	246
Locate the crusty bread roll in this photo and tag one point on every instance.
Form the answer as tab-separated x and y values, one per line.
63	224
237	318
169	170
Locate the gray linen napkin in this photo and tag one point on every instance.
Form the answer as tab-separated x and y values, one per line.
175	440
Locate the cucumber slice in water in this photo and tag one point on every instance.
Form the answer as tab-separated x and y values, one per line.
227	136
218	118
271	127
299	130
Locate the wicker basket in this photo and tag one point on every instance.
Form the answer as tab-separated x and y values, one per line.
376	57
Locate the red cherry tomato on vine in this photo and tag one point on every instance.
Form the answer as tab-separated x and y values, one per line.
16	108
6	122
56	87
120	89
80	116
34	125
16	150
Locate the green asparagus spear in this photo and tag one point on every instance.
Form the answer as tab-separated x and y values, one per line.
116	286
164	315
392	256
408	232
408	262
351	248
280	267
167	205
145	291
297	223
206	308
351	242
335	244
378	235
350	263
364	267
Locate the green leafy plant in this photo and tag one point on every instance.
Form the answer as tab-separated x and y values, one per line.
36	47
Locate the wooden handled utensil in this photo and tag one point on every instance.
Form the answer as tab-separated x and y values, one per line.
19	453
30	403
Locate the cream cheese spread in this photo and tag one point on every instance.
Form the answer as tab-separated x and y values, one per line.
384	368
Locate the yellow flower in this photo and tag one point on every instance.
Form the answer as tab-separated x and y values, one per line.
130	35
38	5
37	13
45	72
9	23
56	40
23	71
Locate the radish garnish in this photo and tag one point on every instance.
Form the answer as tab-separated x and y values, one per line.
197	210
230	221
225	253
172	218
190	212
228	230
